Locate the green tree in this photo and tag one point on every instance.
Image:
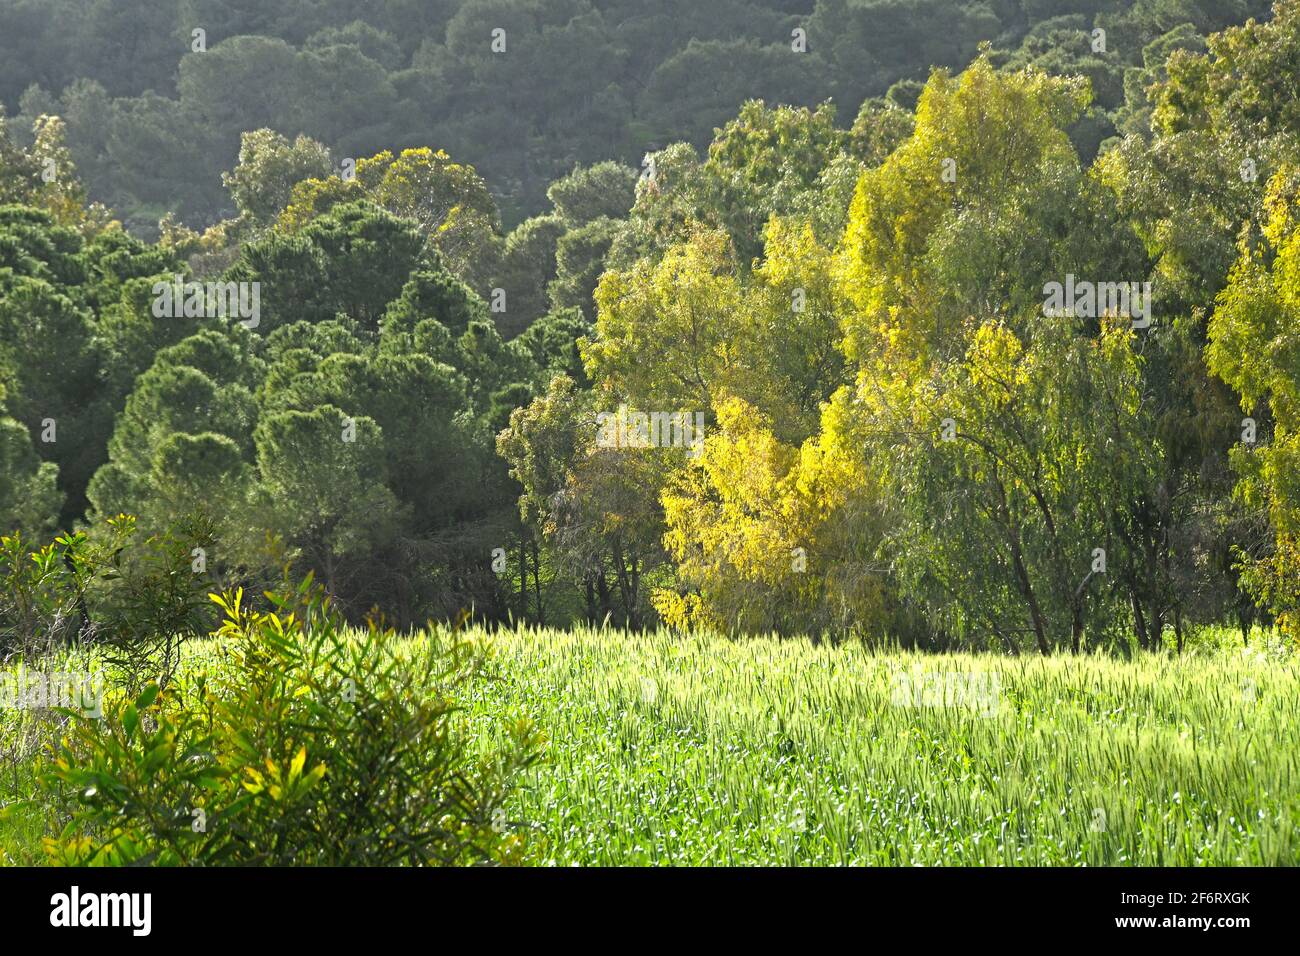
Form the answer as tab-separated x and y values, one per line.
592	505
323	481
29	497
606	189
269	167
1251	348
528	264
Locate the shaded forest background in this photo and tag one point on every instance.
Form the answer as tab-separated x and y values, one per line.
152	125
835	255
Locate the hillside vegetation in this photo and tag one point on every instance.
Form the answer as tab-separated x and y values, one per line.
867	431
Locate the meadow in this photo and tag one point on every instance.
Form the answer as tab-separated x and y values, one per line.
667	749
699	750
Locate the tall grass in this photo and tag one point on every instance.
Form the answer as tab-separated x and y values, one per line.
669	749
697	750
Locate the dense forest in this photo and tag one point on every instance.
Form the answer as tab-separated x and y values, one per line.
156	94
728	316
578	432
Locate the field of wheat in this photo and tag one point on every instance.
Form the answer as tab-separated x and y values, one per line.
698	750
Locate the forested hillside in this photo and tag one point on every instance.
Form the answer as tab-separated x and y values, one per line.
156	93
994	356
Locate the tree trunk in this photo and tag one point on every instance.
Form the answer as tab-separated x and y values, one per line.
589	587
1027	589
537	583
1022	573
602	588
634	595
1139	622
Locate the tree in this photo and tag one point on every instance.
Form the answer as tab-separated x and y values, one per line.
354	260
879	128
528	266
323	482
448	202
765	162
45	176
1011	469
595	506
182	442
579	263
748	530
29	497
699	87
664	330
606	189
947	339
269	167
1250	347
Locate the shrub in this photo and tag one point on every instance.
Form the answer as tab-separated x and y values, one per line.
137	599
304	743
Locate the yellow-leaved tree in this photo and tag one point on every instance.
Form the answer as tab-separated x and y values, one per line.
1254	347
449	200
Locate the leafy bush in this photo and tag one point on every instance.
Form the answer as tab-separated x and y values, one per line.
39	595
305	743
137	599
150	599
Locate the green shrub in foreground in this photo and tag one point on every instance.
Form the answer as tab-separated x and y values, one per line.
304	742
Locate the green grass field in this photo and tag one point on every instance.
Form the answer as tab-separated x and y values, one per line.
700	750
670	750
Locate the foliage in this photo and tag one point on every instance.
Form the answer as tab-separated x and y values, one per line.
29	497
134	599
152	122
1251	346
448	202
309	745
269	167
693	750
821	299
587	502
